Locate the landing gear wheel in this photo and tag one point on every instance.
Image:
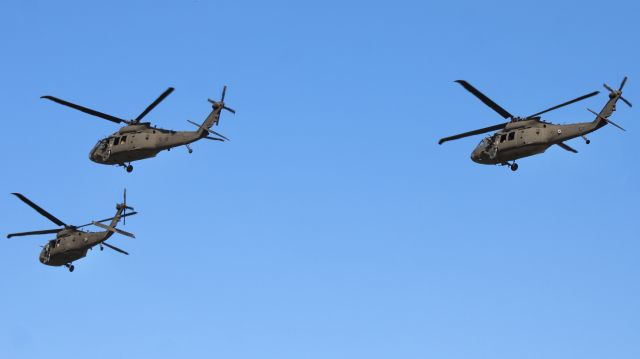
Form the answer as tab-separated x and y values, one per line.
129	168
190	151
514	166
588	141
70	267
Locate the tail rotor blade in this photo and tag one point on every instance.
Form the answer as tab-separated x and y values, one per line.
624	80
124	211
224	92
625	101
608	88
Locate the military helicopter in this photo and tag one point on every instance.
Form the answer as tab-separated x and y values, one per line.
528	136
139	140
71	243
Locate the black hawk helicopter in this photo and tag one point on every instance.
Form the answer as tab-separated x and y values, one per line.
71	243
139	140
528	136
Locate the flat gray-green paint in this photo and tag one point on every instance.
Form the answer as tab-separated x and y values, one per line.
139	140
531	136
71	243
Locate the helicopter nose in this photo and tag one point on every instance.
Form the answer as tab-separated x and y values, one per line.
92	156
475	156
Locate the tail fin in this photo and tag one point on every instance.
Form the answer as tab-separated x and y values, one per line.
121	211
218	106
609	108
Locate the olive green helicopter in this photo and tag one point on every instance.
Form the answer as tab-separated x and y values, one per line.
139	140
71	243
528	136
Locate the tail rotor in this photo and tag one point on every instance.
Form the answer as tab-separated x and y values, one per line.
220	104
125	207
618	93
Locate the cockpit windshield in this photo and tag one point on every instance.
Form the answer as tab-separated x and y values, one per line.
100	145
485	142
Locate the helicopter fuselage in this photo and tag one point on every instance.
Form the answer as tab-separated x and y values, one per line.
70	245
137	142
526	138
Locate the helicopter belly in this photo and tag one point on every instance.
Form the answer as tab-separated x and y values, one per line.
520	152
115	158
65	257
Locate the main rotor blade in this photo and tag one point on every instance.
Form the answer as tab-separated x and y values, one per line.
566	103
85	109
46	231
115	248
39	210
154	104
472	133
487	101
108	219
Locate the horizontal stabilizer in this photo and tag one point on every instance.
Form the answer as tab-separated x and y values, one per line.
114	230
606	119
202	128
566	147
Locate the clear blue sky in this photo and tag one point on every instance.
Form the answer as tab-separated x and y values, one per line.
332	225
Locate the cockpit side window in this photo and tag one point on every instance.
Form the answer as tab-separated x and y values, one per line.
503	137
123	139
116	140
512	135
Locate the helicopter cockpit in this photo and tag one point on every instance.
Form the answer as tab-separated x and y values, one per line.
485	150
45	255
484	143
100	151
